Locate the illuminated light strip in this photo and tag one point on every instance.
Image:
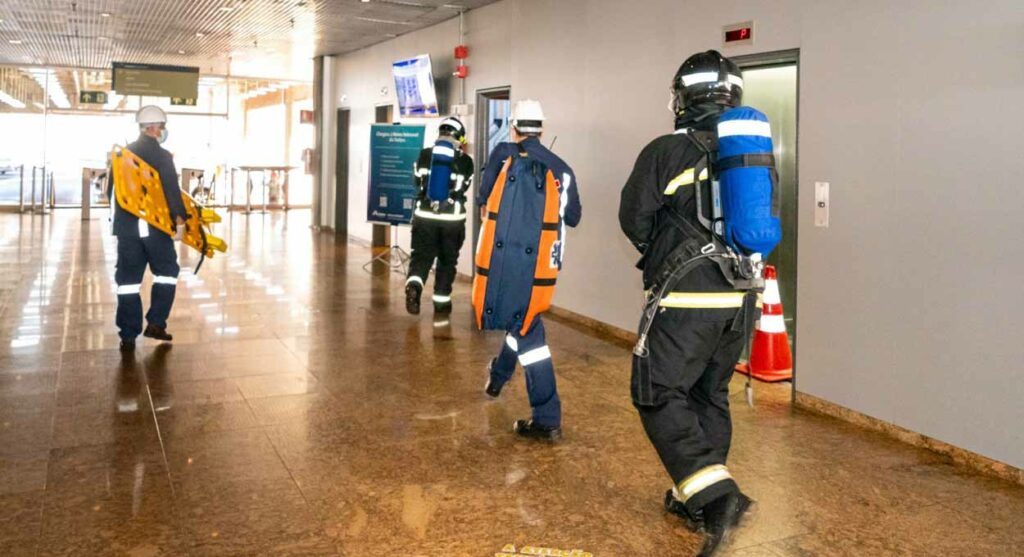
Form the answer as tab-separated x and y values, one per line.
11	100
729	128
535	356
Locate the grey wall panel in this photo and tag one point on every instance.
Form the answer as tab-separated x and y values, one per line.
907	300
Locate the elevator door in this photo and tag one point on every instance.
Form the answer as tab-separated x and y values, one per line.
492	128
772	89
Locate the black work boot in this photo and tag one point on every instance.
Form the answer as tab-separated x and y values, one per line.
159	333
492	390
530	430
721	516
694	522
127	345
412	297
443	308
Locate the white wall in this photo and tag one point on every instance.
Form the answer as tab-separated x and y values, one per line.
906	300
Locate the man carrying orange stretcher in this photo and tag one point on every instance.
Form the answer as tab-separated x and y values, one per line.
150	214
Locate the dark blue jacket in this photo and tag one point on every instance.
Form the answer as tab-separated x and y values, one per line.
149	150
517	278
533	146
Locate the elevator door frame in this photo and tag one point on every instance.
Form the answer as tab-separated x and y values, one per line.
482	118
761	61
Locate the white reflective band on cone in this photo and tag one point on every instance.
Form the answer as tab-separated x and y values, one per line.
126	289
534	356
744	127
701	480
771	292
512	343
143	229
772	324
414	278
441	299
165	280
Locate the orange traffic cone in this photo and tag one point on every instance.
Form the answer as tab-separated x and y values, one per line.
770	358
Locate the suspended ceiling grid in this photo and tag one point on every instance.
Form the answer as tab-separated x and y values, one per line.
267	38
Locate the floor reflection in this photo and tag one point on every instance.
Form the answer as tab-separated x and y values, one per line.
301	411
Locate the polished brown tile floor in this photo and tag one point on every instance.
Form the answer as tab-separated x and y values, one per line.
300	411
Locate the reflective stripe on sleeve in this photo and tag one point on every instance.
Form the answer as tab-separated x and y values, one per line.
701	480
535	356
684	179
709	300
157	279
143	229
512	343
126	289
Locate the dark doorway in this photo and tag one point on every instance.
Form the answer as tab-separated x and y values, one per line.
494	108
384	114
341	174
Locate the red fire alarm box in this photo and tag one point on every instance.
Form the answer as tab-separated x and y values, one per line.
461	52
461	72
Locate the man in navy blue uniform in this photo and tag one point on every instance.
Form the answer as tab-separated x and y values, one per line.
139	244
528	196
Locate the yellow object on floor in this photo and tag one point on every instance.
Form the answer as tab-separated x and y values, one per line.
138	191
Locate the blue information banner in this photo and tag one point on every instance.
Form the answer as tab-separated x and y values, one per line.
393	152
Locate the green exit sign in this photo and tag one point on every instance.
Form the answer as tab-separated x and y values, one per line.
92	97
180	101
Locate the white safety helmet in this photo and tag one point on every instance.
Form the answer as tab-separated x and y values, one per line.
150	114
528	116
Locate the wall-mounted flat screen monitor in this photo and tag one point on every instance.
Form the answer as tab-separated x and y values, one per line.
414	87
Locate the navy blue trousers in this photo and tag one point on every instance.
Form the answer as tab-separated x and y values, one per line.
133	255
532	352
